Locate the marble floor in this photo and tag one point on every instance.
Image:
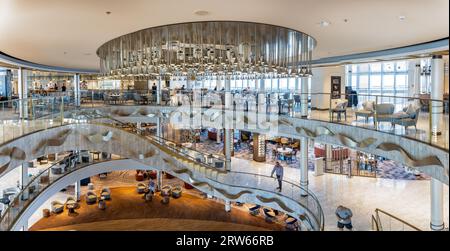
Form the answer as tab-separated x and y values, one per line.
406	199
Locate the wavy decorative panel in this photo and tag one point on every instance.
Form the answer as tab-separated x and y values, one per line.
428	161
14	153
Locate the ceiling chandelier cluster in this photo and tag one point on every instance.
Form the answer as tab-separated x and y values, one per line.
209	49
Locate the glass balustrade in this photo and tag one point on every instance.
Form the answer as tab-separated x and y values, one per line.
36	185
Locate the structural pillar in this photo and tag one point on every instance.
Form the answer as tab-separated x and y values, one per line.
259	147
262	108
218	137
158	91
23	93
437	205
304	97
77	89
159	180
228	132
304	166
328	156
77	191
23	182
437	90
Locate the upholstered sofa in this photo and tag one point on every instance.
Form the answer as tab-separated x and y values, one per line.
367	111
384	113
91	198
57	207
106	193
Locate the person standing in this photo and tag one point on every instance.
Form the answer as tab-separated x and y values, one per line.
154	89
344	216
152	186
63	88
278	170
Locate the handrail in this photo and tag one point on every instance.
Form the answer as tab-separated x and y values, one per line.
319	220
19	196
378	220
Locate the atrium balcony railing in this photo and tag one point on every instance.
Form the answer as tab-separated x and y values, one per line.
262	183
426	120
35	186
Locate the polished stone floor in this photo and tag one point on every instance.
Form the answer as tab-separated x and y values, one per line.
406	199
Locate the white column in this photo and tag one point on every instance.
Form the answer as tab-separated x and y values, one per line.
23	182
218	137
262	97
227	206
228	135
328	156
304	97
77	89
158	127
437	205
228	144
304	166
437	90
77	191
158	91
23	93
159	179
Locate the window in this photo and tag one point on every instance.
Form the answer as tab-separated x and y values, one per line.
385	78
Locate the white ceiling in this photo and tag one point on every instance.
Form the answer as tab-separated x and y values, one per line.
43	31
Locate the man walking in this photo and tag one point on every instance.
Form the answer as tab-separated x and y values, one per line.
344	216
278	170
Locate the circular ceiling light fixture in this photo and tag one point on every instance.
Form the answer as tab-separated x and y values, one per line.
324	23
108	12
201	13
402	18
209	50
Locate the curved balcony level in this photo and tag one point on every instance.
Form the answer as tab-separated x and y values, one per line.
429	159
154	154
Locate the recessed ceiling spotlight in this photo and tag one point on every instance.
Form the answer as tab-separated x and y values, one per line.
108	12
346	20
401	18
201	13
87	54
324	23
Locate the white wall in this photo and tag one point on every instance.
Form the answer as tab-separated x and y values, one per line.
321	83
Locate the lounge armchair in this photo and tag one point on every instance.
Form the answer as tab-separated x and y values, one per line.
367	111
71	201
166	190
384	113
57	207
106	193
269	214
254	210
91	198
176	192
140	188
339	106
291	224
408	117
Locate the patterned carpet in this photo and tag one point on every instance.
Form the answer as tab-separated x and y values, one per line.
386	169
